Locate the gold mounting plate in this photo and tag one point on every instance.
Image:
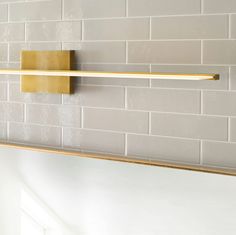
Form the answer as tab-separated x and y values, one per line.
46	60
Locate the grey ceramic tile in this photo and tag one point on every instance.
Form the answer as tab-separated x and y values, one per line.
3	130
3	12
16	95
221	84
219	103
36	10
54	31
16	48
219	154
117	29
233	25
98	52
190	27
116	120
190	126
98	141
233	78
77	9
213	6
170	52
3	91
116	68
33	134
162	148
233	129
3	52
12	32
11	112
219	52
67	115
97	96
163	100
163	7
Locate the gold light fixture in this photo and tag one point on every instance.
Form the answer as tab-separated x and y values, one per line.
50	72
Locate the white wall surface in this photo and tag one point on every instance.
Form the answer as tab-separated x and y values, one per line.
96	197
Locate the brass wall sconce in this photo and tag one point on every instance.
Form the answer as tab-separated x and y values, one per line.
50	72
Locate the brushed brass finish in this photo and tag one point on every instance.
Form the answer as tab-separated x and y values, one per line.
198	168
45	60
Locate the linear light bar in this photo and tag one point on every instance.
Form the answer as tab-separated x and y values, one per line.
50	72
96	74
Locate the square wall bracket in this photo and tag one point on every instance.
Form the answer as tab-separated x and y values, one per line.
46	60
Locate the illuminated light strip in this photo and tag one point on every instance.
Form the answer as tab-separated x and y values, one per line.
78	73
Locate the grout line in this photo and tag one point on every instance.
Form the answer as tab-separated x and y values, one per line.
62	9
119	17
149	123
126	8
201	102
150	28
82	30
229	127
229	79
202	6
126	98
82	117
201	153
124	62
202	60
229	25
8	12
126	144
62	135
126	52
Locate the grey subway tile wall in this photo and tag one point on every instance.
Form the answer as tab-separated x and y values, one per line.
3	51
169	149
12	32
163	100
226	6
219	52
190	126
219	103
164	52
233	129
117	29
191	122
33	10
79	9
3	133
160	7
97	96
54	31
116	120
3	12
192	27
94	141
35	134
